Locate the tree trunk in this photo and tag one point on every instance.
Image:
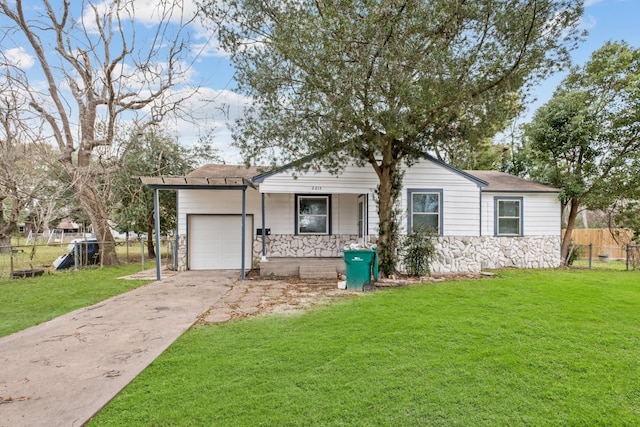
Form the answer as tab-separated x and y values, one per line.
94	206
386	235
7	226
5	243
574	205
387	171
150	235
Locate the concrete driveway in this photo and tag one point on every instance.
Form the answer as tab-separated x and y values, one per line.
60	373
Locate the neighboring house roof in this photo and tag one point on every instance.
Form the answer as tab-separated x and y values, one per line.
68	224
225	171
503	182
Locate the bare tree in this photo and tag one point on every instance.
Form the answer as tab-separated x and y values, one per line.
22	175
94	75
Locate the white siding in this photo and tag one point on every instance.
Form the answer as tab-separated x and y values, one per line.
461	201
461	197
217	202
345	214
541	213
279	209
354	179
280	213
374	220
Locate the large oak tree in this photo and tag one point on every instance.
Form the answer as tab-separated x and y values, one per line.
586	139
384	82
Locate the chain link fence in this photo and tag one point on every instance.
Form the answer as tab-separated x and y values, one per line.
633	257
592	256
26	260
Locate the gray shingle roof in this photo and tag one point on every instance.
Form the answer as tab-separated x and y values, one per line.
225	171
498	181
503	182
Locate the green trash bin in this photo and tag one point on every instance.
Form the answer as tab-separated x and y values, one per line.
359	263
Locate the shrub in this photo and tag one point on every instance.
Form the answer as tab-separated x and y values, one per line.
418	251
575	252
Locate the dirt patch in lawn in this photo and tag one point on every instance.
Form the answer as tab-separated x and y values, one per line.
258	296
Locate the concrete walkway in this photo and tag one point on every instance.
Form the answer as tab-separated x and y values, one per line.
62	372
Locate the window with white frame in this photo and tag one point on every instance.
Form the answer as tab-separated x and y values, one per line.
508	213
313	214
425	209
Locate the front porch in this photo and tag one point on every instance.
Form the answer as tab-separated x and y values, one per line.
308	268
310	257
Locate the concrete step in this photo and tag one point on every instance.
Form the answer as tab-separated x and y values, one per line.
310	271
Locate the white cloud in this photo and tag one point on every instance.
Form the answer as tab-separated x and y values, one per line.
208	45
147	12
208	112
588	3
151	12
19	57
587	22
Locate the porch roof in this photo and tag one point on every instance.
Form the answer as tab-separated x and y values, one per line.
207	177
195	183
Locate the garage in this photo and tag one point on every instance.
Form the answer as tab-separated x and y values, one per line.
215	241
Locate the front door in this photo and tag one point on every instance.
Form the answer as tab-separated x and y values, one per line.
362	218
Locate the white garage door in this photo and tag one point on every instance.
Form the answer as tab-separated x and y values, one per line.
215	242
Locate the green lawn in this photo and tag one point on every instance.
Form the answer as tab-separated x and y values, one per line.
596	264
30	301
551	347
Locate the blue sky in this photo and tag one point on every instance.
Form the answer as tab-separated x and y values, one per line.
603	19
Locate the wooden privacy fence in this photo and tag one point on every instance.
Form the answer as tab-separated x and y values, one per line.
605	241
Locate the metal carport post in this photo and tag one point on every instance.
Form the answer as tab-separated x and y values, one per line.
191	183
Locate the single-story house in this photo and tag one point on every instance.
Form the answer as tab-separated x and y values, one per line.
284	220
66	225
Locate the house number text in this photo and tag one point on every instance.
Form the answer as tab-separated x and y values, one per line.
316	188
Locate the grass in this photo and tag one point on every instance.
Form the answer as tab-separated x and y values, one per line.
30	301
529	348
596	264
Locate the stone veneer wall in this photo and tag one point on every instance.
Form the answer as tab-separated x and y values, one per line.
473	254
289	245
453	254
182	252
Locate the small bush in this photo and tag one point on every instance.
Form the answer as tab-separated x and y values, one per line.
575	252
418	251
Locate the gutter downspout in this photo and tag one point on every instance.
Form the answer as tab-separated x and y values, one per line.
480	212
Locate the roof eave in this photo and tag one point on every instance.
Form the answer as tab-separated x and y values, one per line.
191	183
488	190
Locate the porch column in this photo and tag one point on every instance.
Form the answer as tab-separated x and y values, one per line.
156	219
244	231
264	247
